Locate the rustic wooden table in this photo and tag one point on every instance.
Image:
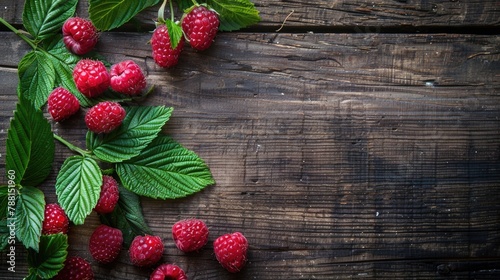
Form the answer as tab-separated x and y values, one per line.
360	141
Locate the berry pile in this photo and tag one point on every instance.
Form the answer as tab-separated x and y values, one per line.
92	78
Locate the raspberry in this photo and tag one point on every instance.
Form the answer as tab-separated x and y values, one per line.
127	78
105	243
91	77
231	250
55	220
190	235
200	26
61	104
163	54
104	117
109	195
146	250
79	35
168	271
75	268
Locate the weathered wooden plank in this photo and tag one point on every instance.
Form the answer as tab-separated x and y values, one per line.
354	16
338	155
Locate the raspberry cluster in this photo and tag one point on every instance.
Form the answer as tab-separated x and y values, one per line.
199	27
92	79
189	235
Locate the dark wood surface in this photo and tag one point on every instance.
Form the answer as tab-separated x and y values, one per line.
342	148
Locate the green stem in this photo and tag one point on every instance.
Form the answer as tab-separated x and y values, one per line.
172	12
19	33
161	12
71	146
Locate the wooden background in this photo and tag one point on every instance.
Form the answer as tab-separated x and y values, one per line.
362	141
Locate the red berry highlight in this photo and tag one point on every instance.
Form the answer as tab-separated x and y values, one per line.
163	54
146	250
105	243
75	268
55	220
200	26
231	251
168	272
109	195
91	77
127	78
104	117
190	235
61	104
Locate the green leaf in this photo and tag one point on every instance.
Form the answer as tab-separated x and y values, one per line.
4	201
174	32
36	77
30	207
8	200
6	214
30	145
110	14
139	128
127	216
164	170
233	14
49	260
78	186
4	235
45	18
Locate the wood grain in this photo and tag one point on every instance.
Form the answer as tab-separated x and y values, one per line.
356	16
360	155
338	155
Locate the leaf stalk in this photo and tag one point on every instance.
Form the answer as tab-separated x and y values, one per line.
71	146
19	33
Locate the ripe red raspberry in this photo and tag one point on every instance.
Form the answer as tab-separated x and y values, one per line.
190	235
104	117
146	250
127	78
163	54
55	220
168	271
75	268
231	251
79	35
109	195
91	77
61	104
105	243
200	26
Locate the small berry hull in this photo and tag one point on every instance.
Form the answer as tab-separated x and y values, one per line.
79	35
